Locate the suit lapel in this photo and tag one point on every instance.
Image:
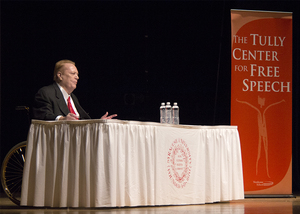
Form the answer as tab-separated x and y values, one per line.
82	113
76	103
60	100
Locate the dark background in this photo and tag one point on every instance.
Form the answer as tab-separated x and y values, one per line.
131	56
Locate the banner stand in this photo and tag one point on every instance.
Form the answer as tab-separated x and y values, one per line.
270	196
261	99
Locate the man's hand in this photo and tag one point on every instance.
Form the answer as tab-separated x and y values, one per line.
70	116
105	117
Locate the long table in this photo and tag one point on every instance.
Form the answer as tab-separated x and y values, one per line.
115	163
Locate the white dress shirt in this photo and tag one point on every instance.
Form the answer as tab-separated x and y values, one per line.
66	96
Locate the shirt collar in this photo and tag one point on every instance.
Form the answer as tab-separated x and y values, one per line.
65	94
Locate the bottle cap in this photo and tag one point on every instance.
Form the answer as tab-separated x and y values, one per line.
162	104
175	104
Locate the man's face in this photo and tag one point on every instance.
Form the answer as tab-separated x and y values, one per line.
68	76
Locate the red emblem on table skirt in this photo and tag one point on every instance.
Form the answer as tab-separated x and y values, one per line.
179	162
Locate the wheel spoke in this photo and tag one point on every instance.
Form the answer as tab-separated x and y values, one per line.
17	160
12	172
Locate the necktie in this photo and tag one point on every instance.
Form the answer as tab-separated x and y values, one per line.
70	107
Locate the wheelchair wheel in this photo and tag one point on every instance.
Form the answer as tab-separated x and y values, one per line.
12	172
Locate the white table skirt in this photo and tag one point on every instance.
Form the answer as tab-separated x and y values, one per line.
112	163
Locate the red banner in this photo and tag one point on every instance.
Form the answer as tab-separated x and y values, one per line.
261	98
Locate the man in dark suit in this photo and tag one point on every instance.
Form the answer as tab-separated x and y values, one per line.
56	101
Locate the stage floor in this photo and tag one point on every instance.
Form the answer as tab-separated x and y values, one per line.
287	205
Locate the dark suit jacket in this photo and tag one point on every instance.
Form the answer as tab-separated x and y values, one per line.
49	103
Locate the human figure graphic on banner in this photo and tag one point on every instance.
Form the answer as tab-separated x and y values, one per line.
262	129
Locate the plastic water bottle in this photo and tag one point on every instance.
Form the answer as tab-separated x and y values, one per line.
168	113
163	113
175	114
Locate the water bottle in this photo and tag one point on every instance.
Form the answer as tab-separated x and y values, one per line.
163	113
168	113
175	114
